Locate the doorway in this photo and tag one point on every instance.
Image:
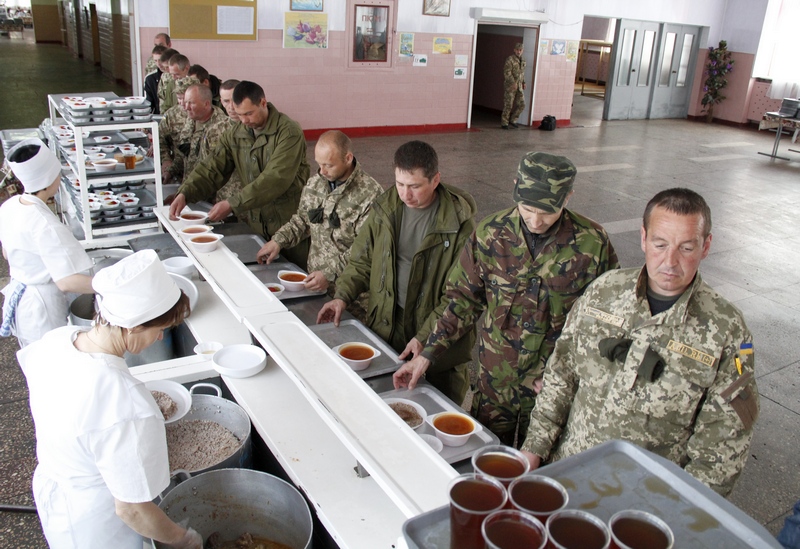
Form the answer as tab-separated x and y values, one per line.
95	25
493	44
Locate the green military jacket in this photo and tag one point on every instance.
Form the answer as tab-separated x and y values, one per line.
169	129
272	166
514	72
372	268
349	204
526	299
166	93
699	413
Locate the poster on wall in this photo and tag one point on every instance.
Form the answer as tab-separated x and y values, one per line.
305	30
235	20
462	60
559	47
436	7
406	44
572	50
544	46
305	5
460	73
442	44
420	60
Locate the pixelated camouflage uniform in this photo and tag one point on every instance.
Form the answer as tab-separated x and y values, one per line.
166	93
526	300
348	205
169	129
150	66
699	413
196	140
513	82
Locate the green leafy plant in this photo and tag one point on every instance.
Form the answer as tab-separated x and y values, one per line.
718	65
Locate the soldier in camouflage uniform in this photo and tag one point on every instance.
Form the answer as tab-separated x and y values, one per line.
161	39
166	85
333	206
513	86
169	130
204	126
524	267
656	357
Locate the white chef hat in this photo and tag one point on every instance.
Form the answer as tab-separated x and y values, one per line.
135	289
39	168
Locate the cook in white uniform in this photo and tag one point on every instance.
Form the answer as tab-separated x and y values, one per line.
45	260
100	438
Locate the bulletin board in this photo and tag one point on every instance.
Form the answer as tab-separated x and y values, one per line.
213	19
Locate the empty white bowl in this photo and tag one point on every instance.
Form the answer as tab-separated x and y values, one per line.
194	230
207	349
292	285
448	427
239	360
193	218
205	243
433	442
105	165
417	407
180	264
357	355
276	289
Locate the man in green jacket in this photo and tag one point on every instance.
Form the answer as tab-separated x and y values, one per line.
267	150
403	256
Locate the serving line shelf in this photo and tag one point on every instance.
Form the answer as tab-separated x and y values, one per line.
94	236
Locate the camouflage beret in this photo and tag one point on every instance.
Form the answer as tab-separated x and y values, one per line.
544	181
183	84
519	46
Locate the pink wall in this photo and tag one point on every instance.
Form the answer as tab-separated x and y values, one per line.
493	49
555	82
760	103
737	102
316	88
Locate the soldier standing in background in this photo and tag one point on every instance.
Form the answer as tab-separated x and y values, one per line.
166	85
161	40
524	266
169	130
204	126
656	357
513	86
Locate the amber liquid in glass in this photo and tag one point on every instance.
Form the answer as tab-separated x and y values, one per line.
537	497
499	466
639	534
574	533
511	534
465	528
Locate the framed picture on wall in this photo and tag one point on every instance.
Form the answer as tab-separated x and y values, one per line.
305	5
436	7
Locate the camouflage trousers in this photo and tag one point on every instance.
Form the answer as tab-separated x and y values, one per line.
513	105
503	402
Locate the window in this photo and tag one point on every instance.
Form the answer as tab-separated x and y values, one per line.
370	27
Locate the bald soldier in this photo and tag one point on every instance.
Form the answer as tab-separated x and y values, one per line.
333	207
654	356
524	267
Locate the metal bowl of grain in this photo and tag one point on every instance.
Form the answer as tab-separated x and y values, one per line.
227	503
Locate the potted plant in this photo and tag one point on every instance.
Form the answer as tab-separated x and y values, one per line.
718	65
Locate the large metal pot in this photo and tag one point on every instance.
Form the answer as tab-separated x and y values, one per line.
228	414
235	501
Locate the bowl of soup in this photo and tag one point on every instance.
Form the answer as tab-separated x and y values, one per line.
194	230
193	218
292	280
453	428
205	243
357	355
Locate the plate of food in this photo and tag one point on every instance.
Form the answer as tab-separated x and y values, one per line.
412	413
172	398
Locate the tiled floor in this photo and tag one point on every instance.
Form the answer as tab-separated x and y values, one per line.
621	165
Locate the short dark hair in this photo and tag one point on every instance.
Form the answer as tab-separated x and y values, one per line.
165	36
682	202
200	72
159	49
181	61
229	84
416	155
248	90
23	154
167	55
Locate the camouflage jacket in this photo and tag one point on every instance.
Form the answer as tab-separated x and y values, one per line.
150	66
526	299
166	93
272	166
514	72
373	261
330	245
169	128
197	140
699	413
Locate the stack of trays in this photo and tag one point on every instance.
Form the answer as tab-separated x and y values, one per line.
99	110
110	208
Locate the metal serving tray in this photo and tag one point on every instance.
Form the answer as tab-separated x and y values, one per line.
353	330
269	274
245	246
434	401
618	475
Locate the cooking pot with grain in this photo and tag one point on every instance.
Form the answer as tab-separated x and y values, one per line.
235	501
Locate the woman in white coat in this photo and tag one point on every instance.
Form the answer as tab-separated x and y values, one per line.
45	260
100	437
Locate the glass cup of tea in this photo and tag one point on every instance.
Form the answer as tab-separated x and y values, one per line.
631	529
130	160
513	530
501	462
538	495
574	529
472	498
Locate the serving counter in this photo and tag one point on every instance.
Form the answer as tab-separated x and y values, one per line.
323	424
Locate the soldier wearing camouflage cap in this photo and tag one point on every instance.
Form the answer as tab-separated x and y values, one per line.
524	267
656	357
